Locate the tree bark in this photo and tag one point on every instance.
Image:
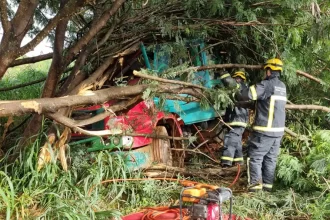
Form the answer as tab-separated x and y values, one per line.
308	107
137	73
23	20
51	105
70	8
4	15
301	73
29	60
15	32
53	76
56	67
206	173
77	73
94	30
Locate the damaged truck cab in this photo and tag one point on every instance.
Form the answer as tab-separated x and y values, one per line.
133	130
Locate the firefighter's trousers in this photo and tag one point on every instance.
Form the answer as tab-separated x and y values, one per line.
262	156
232	150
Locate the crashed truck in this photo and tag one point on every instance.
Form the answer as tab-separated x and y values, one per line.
174	119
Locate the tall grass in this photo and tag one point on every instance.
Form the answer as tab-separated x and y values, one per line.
16	76
54	194
24	74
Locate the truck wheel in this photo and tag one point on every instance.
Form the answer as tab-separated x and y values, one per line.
161	148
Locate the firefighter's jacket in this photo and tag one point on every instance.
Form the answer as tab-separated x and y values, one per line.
235	116
270	97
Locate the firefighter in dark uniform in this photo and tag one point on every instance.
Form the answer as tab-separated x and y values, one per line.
237	118
268	127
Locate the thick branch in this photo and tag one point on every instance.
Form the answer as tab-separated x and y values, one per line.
114	108
68	122
31	60
56	67
301	73
4	16
68	10
205	173
50	105
23	85
99	72
217	66
293	134
308	107
94	29
139	74
23	18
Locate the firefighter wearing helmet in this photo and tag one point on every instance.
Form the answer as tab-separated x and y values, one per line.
268	127
237	118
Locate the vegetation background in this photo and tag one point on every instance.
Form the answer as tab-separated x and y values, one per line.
249	31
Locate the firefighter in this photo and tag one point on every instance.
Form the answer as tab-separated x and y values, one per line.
268	127
237	118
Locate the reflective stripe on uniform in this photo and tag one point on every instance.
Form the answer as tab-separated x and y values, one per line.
269	127
237	123
253	92
259	186
260	128
227	158
268	186
225	76
238	159
248	169
273	98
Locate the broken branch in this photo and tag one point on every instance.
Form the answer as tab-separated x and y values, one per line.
28	60
51	105
114	108
139	74
295	135
308	107
301	73
204	173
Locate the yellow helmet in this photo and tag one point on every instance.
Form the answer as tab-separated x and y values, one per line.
274	64
239	74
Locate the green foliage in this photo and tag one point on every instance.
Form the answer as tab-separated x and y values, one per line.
52	193
309	174
264	206
24	74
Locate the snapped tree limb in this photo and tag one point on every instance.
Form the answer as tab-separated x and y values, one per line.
308	107
31	60
51	105
139	74
301	73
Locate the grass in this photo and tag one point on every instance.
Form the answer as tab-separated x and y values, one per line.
54	194
51	193
15	76
23	74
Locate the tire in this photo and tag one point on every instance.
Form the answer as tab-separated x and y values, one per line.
161	148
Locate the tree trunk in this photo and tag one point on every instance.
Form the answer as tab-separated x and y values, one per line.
53	77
